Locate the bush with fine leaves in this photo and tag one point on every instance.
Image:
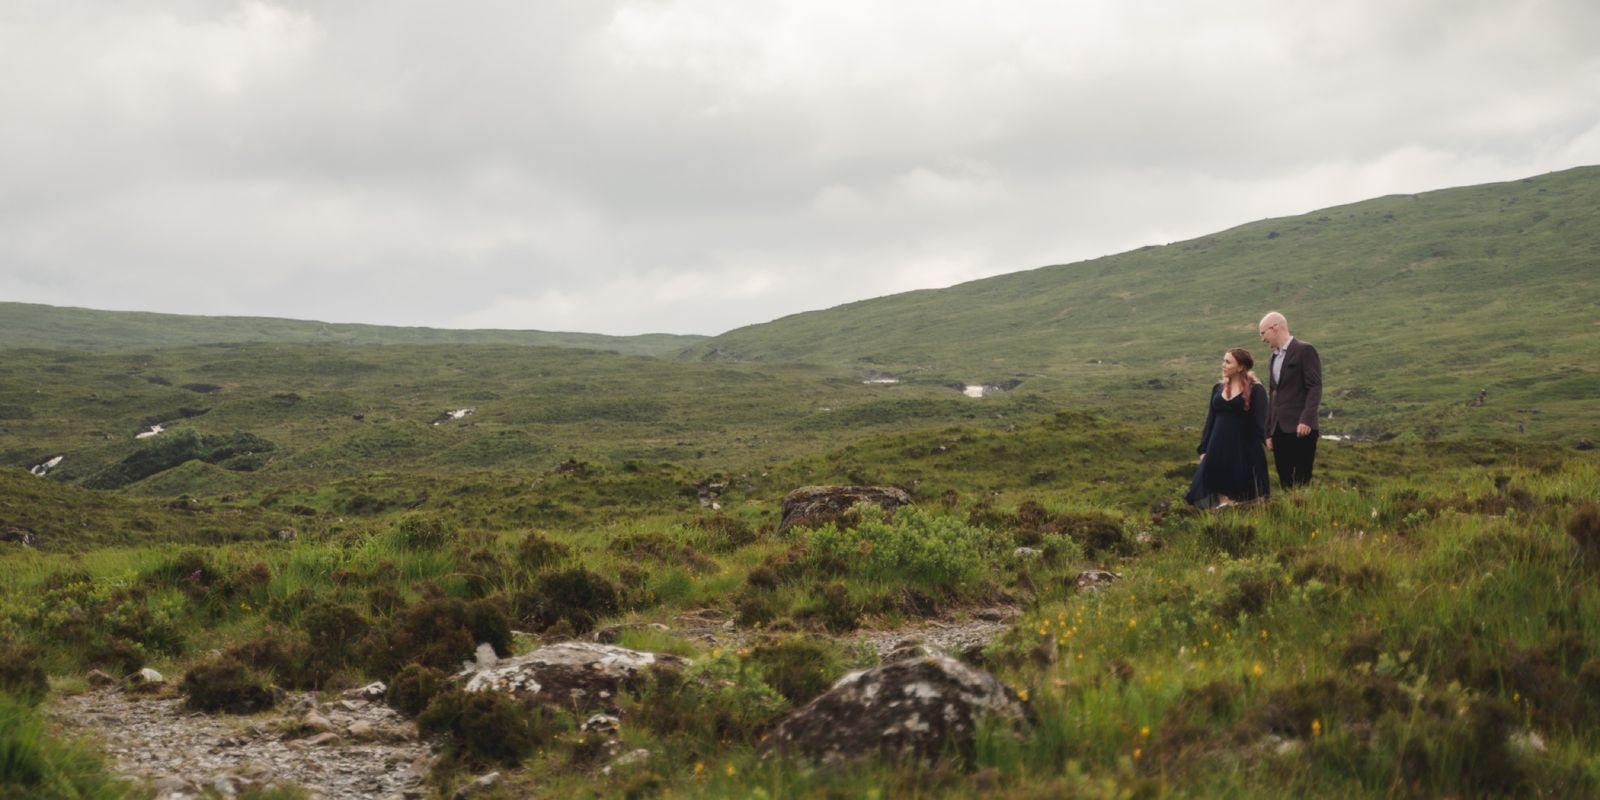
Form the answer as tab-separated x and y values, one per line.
916	546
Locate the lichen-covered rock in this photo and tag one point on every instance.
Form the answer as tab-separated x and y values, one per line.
1093	580
815	505
568	674
918	708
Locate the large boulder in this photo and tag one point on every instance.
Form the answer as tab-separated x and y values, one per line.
567	674
918	708
816	505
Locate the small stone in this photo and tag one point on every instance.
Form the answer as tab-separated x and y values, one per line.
361	729
322	739
1527	741
1093	580
601	725
316	722
147	676
1026	553
98	678
372	691
478	786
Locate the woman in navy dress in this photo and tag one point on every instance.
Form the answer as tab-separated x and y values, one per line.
1233	458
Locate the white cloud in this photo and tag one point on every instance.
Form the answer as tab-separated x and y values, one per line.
694	165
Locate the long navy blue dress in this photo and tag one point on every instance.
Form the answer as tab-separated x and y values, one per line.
1233	443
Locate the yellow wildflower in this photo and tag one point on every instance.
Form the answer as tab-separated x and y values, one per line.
731	770
699	768
1257	670
1316	728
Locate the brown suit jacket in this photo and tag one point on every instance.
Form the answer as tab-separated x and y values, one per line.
1298	390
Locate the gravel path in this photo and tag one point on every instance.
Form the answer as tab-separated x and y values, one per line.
367	750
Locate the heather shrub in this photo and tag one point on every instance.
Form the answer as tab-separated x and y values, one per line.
226	684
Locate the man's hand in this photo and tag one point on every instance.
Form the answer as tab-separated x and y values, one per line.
1302	429
1269	444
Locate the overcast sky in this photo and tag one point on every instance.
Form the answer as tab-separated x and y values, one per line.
690	166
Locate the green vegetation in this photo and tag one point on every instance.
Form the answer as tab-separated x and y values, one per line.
1423	620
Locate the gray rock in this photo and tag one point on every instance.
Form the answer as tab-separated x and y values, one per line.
1093	580
568	674
21	536
361	730
814	505
911	709
98	679
314	721
323	739
479	785
372	691
1026	552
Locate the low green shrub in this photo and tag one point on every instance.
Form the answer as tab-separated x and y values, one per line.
798	668
577	596
438	632
20	673
537	552
226	684
421	531
722	697
413	687
1227	536
919	547
489	727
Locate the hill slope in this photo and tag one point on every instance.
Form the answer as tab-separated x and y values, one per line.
30	325
1417	302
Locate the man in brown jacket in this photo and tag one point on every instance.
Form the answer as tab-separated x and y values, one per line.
1296	391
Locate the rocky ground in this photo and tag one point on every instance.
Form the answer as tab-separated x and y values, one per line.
345	748
355	746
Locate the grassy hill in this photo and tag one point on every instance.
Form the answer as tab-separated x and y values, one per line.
30	325
1417	303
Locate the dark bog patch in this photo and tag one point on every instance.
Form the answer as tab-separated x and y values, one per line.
240	451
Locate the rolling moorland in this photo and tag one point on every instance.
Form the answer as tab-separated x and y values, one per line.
1420	621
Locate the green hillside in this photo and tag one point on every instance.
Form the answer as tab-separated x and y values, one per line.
30	325
1417	303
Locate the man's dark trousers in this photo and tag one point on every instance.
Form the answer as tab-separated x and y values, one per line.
1293	456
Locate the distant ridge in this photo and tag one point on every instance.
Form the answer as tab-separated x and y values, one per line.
43	326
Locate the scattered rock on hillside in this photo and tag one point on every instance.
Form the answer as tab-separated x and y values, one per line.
916	708
1093	580
1583	444
568	674
708	493
21	536
815	505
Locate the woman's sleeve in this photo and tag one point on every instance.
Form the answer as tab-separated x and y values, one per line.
1259	408
1211	416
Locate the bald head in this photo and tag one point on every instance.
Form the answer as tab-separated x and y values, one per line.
1274	329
